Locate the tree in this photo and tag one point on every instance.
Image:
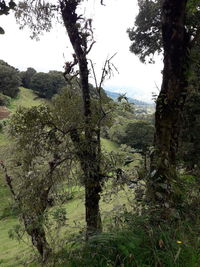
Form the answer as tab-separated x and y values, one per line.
38	16
47	84
89	155
86	141
26	77
9	80
146	35
178	38
41	157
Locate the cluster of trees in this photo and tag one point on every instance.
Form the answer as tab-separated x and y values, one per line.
168	26
44	84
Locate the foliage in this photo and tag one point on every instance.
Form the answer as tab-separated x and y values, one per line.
47	84
136	134
138	243
139	135
189	150
26	77
5	7
146	34
9	80
4	100
117	133
42	158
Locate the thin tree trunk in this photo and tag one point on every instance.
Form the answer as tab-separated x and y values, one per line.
170	102
87	151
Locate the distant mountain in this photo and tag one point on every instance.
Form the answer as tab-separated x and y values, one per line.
114	96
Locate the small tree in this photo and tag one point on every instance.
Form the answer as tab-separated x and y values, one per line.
41	157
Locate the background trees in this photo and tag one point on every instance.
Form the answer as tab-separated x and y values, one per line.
26	77
9	79
47	84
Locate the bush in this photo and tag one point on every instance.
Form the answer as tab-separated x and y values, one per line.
2	124
4	100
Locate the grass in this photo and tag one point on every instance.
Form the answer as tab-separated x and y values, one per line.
138	244
26	98
109	146
12	253
3	140
11	249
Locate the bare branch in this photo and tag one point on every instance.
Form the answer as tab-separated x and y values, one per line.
8	179
89	49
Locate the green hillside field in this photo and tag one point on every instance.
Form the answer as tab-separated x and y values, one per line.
26	98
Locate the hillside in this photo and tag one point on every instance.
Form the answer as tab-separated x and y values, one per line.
26	98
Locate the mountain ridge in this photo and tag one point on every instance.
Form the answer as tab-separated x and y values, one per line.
115	95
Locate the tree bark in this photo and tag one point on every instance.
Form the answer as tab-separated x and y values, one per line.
162	181
87	149
38	235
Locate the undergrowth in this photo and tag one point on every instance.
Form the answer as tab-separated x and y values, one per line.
137	244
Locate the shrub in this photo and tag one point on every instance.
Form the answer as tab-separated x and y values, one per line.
4	100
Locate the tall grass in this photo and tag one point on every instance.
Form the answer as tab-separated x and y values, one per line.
138	244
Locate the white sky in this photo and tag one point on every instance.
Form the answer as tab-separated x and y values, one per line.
110	24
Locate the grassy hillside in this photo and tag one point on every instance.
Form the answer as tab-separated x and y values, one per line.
26	98
109	146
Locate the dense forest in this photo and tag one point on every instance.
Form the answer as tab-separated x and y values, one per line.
90	177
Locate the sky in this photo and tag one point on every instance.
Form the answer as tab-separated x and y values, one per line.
110	24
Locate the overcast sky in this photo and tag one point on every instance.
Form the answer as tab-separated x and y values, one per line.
110	24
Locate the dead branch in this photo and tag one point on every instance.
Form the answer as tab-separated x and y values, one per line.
8	179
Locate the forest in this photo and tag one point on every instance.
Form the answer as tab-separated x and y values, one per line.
89	177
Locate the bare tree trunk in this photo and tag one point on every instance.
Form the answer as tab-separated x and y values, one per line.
87	151
170	102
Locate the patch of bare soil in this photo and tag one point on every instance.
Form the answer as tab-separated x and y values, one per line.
4	112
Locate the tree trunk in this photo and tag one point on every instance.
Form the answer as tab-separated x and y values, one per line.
38	236
87	149
162	181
